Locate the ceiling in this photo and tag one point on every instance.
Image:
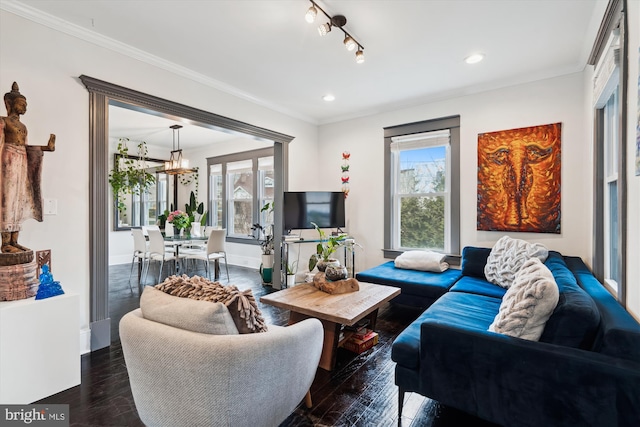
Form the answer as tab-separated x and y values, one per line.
265	51
155	130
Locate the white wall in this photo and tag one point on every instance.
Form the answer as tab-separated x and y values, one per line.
548	101
46	64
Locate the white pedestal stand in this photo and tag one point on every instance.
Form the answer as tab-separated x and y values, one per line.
39	347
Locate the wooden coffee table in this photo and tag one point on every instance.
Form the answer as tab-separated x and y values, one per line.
333	311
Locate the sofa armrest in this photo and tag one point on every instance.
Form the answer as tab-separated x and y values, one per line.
518	382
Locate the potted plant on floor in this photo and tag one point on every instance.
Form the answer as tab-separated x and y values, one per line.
327	246
265	238
292	269
192	208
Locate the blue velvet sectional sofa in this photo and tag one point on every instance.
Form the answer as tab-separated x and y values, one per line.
584	370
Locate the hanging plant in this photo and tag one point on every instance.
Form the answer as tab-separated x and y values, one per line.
189	178
129	174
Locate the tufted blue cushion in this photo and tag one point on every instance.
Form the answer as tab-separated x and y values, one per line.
575	321
474	260
412	282
475	285
458	309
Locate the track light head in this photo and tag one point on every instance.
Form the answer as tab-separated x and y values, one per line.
311	14
359	56
349	43
324	29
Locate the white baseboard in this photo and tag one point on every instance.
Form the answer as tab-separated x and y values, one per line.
85	341
243	261
119	259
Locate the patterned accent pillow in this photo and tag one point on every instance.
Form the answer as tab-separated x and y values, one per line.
508	256
528	303
241	304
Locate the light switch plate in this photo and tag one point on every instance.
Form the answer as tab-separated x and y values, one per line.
50	207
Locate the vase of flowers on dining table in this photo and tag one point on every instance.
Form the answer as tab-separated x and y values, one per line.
180	222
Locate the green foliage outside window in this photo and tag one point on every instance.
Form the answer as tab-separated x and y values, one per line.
422	218
422	222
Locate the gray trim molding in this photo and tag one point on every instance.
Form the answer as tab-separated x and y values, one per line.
608	24
453	124
101	95
615	19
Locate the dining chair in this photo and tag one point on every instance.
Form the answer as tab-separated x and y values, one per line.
159	252
215	250
168	229
146	228
140	254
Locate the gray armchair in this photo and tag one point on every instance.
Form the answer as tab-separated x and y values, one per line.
183	378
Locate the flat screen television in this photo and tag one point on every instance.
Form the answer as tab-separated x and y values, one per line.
325	208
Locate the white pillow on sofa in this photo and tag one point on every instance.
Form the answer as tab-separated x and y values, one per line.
422	261
507	256
528	303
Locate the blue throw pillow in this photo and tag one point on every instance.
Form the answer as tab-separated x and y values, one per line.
474	260
575	321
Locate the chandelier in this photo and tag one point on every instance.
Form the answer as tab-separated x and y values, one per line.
177	165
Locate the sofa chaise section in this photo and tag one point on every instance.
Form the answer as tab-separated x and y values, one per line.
418	288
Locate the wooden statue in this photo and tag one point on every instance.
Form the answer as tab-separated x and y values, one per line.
20	172
20	198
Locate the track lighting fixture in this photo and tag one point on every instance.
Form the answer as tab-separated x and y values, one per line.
338	21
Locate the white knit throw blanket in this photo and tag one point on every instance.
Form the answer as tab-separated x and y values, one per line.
528	303
508	256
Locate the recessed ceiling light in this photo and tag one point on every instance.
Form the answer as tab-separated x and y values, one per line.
328	97
473	59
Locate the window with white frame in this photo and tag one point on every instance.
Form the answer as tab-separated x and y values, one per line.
611	143
420	191
422	186
240	184
215	199
607	101
265	195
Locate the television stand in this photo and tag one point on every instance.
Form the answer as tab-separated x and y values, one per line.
349	253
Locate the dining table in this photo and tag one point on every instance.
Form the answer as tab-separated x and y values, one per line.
184	240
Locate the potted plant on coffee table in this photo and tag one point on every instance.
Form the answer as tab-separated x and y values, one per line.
327	246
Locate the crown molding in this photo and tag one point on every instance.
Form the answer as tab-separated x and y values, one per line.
50	21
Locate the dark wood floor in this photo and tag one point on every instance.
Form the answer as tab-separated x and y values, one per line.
359	392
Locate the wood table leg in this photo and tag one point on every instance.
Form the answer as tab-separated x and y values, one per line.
307	400
330	342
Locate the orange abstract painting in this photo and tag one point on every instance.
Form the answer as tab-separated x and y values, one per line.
519	179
